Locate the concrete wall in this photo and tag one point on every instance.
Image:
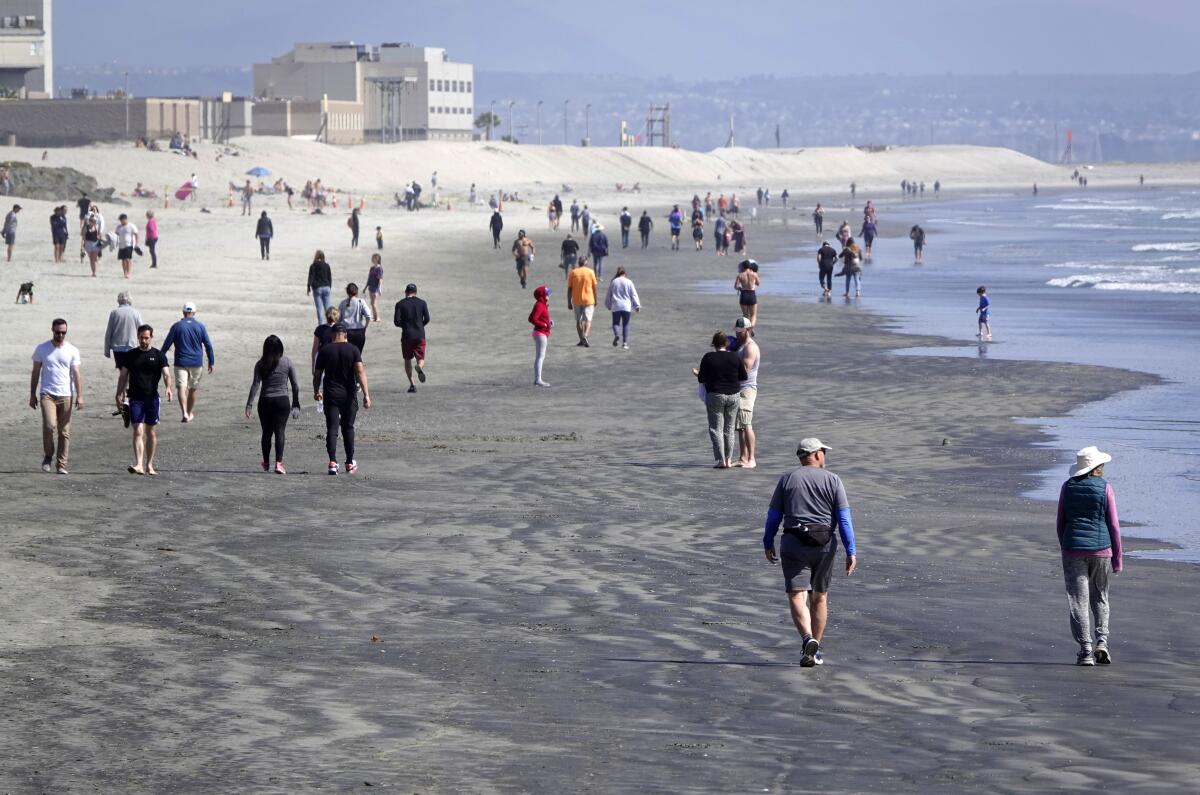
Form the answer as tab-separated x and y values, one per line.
340	81
75	122
272	117
220	120
343	120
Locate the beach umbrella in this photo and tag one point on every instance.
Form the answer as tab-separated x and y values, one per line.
258	171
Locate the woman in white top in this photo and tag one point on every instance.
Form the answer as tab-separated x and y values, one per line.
622	301
356	314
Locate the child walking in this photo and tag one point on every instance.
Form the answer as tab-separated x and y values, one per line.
984	310
379	237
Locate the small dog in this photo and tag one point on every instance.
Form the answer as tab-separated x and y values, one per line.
25	294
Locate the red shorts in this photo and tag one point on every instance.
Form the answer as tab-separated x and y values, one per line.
413	349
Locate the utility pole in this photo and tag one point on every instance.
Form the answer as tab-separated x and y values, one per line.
587	122
511	138
539	120
127	105
491	117
565	101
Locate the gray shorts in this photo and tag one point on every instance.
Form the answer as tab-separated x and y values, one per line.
806	568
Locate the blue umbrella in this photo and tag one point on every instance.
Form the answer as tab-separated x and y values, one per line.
258	171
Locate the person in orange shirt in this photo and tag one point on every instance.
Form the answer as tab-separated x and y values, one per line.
581	298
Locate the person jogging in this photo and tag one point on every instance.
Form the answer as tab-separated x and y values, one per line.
523	251
809	502
275	374
675	221
411	317
192	344
827	258
337	376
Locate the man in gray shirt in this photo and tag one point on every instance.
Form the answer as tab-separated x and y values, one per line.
810	502
120	336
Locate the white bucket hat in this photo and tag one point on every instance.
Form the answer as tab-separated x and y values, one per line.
1088	459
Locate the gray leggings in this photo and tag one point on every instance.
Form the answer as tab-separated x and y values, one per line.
1087	595
540	343
722	411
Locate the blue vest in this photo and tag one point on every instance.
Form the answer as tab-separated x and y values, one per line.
1085	513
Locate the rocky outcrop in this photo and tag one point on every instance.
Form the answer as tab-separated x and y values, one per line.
55	184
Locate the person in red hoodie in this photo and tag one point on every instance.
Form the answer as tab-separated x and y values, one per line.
540	319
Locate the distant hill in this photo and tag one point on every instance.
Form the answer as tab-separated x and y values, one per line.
1132	118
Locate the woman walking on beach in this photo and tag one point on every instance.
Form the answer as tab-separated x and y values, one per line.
152	237
737	233
869	230
851	258
746	283
818	217
356	316
59	232
1089	535
721	374
622	301
352	222
375	284
91	240
274	373
698	230
539	318
320	284
264	230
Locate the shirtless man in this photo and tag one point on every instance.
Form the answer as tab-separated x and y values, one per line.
523	251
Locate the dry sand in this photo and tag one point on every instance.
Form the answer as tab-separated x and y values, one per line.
566	596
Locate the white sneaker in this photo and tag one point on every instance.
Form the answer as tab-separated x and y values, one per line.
624	347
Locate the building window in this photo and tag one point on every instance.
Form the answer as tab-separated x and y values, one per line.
456	86
468	85
432	83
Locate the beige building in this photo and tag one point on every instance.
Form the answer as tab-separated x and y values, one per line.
26	54
406	92
326	120
77	122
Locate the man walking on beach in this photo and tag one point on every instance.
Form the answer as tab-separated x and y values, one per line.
626	225
138	388
247	199
645	224
56	368
581	299
10	230
675	221
523	251
412	315
809	502
747	349
496	224
127	240
598	246
120	335
337	375
574	215
192	344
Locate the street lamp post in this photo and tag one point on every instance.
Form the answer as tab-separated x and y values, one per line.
491	117
587	122
539	120
565	101
127	105
511	139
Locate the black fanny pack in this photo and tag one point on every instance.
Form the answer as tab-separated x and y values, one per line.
811	536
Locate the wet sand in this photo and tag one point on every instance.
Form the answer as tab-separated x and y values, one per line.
565	596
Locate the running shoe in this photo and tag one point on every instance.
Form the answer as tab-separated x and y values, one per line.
616	341
625	347
420	372
351	467
412	387
333	467
46	464
1085	659
585	344
279	470
811	647
818	658
265	466
1101	655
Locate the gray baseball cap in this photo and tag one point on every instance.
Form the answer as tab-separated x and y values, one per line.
811	445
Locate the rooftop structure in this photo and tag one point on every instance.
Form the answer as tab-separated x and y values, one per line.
26	54
407	92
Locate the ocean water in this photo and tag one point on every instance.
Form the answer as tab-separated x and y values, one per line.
1104	278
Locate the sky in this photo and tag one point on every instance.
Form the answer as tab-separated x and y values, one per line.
689	40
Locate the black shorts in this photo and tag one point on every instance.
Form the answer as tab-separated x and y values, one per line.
122	357
806	568
749	298
125	253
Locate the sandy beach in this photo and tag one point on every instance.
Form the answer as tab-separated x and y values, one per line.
550	590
